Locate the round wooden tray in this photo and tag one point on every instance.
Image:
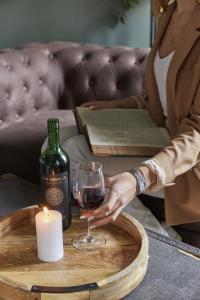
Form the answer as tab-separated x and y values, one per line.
109	273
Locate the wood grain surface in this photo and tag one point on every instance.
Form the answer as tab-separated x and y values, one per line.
117	268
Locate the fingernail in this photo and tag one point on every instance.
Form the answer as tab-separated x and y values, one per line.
83	217
92	227
90	219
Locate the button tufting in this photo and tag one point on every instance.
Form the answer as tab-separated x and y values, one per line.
35	107
25	88
50	55
7	95
115	58
7	66
91	82
88	56
110	60
41	81
17	115
1	122
25	61
141	60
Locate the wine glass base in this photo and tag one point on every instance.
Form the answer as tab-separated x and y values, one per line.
85	243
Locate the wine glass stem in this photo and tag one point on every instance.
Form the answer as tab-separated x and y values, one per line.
89	233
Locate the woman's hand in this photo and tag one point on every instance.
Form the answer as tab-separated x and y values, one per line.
119	103
122	191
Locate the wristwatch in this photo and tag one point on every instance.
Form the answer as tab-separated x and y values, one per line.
140	180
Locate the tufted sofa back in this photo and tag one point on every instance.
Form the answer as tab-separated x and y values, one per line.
93	72
60	75
31	80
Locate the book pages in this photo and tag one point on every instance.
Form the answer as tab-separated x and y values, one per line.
123	136
122	131
114	117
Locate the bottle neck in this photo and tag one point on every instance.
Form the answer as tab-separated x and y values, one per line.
53	141
53	138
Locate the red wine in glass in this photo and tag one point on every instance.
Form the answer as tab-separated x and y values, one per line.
91	198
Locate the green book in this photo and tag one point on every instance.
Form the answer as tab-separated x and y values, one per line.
121	132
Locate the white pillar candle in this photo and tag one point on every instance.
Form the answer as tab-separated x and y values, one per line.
49	235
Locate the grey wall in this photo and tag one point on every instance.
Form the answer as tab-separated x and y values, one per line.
92	21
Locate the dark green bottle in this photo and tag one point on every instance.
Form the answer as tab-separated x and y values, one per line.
55	174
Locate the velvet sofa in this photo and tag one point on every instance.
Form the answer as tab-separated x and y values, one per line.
38	81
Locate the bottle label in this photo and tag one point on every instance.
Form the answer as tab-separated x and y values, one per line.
56	187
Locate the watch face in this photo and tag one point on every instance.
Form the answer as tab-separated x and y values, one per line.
142	186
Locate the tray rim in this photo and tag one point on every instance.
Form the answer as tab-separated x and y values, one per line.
142	257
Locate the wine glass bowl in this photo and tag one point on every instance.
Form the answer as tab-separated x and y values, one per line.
89	190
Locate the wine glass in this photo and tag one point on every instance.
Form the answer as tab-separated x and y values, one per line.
89	190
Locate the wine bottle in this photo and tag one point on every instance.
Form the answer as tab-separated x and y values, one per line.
55	174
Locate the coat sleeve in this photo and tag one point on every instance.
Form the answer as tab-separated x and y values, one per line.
183	152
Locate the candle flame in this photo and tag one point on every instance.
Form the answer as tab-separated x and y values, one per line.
46	211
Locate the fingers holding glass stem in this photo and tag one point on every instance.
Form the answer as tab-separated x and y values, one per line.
122	191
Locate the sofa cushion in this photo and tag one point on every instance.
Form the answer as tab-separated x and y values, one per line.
20	143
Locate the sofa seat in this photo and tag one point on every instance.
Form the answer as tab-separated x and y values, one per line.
21	142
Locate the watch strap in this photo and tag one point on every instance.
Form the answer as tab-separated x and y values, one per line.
140	180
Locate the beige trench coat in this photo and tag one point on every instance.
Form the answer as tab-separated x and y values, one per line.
181	159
